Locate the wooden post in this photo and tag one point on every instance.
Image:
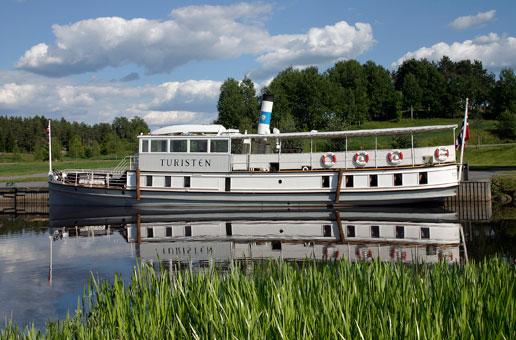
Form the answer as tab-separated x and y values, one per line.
338	188
339	224
138	184
138	229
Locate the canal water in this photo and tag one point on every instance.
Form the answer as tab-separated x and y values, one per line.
46	260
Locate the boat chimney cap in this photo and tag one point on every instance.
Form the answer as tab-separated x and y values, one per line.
268	97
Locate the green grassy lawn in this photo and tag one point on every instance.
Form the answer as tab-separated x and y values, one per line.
491	156
28	168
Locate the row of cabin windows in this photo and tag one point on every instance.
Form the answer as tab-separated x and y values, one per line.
185	145
168	181
350	232
186	182
168	232
373	180
188	231
375	231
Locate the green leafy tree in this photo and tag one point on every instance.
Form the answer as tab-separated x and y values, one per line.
352	94
412	93
384	102
506	127
504	93
231	105
76	148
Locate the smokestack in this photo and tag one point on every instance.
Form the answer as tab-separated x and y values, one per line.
265	115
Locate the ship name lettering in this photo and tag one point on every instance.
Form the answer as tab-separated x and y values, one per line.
187	163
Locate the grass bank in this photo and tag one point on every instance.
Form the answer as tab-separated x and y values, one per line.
28	168
314	300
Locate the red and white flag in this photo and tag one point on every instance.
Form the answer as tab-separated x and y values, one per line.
463	130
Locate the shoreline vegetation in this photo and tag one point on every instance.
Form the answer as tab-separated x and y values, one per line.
277	299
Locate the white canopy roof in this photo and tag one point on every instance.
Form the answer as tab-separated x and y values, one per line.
350	133
190	129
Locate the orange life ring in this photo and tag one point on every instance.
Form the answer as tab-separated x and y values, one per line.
398	254
363	253
328	159
441	153
395	156
361	158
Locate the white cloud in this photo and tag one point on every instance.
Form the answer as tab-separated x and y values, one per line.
167	103
468	21
493	50
162	118
318	46
192	33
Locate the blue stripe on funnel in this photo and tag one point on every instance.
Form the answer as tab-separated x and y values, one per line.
265	117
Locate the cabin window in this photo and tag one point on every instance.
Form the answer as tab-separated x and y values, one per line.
158	146
325	181
425	233
150	232
217	145
373	180
168	181
178	145
431	250
350	231
229	229
198	145
187	182
327	230
228	184
349	181
375	231
400	231
168	232
423	178
398	180
148	181
276	245
188	230
145	145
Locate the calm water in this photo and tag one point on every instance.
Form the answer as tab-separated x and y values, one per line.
45	261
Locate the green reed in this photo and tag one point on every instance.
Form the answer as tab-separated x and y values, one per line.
288	300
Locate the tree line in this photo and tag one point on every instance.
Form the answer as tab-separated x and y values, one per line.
346	94
350	93
28	135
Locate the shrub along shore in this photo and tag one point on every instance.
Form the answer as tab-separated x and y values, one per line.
292	300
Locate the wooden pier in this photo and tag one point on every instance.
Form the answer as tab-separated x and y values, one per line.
23	201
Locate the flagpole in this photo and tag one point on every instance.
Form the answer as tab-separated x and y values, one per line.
49	149
464	129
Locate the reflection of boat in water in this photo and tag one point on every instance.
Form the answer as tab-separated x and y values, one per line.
200	239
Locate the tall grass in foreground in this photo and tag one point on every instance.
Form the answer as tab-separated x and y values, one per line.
313	300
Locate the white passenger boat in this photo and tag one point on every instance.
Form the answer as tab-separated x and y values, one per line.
211	167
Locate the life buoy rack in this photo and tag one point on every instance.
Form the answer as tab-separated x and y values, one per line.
361	158
441	153
395	156
328	159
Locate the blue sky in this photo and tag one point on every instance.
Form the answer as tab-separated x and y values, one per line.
165	60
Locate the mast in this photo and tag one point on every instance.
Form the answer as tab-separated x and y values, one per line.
464	129
49	132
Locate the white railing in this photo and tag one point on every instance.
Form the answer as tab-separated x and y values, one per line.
115	177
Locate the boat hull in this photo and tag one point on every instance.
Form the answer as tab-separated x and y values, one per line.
66	195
